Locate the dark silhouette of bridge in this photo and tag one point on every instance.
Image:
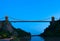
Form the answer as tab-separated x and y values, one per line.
52	20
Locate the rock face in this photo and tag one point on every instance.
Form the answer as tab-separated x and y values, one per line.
6	26
7	31
52	30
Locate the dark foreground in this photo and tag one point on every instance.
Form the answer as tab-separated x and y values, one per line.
34	38
52	39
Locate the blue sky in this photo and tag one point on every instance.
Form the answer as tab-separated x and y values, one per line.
30	10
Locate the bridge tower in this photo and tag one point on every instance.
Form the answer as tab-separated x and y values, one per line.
6	19
52	20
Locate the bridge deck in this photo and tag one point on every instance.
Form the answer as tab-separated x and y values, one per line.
28	21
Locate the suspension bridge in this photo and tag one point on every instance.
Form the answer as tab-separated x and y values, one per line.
7	19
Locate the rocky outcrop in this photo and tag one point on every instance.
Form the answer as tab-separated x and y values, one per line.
52	30
7	31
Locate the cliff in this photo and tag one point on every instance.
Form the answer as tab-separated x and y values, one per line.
52	30
8	31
